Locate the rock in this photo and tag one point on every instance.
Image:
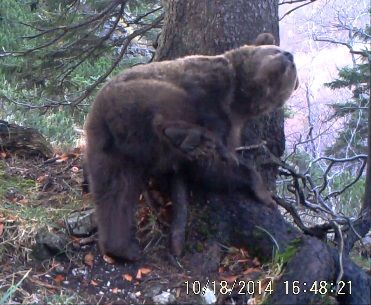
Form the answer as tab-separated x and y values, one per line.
208	297
153	290
81	223
367	240
206	261
48	244
164	298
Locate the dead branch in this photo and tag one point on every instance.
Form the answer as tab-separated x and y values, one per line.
334	161
139	18
308	194
291	2
334	41
295	8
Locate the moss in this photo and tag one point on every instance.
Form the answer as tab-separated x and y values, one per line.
361	261
7	183
285	256
28	208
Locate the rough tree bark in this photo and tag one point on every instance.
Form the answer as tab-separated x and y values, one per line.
212	27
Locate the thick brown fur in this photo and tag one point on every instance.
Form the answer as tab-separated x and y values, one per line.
169	119
265	39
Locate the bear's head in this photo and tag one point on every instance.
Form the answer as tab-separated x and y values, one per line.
265	78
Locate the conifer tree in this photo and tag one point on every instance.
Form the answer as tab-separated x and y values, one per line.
352	139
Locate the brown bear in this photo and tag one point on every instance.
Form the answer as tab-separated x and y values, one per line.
175	119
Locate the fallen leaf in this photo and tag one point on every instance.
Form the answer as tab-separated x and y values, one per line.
59	278
94	283
41	179
77	150
89	260
229	278
62	158
127	277
23	201
256	261
108	259
1	228
144	270
251	270
75	239
115	290
244	252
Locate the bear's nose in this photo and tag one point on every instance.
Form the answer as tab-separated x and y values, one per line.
289	56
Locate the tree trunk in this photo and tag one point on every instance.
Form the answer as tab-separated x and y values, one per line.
212	27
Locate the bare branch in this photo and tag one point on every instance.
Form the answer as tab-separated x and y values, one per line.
315	38
250	147
334	161
319	231
139	18
347	186
51	104
295	8
291	2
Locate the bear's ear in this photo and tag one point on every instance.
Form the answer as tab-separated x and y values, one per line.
297	84
265	39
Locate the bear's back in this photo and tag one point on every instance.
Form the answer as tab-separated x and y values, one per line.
199	75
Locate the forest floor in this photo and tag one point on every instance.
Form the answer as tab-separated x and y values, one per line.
37	197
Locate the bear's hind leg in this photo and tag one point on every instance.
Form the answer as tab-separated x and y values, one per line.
116	195
179	197
195	142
